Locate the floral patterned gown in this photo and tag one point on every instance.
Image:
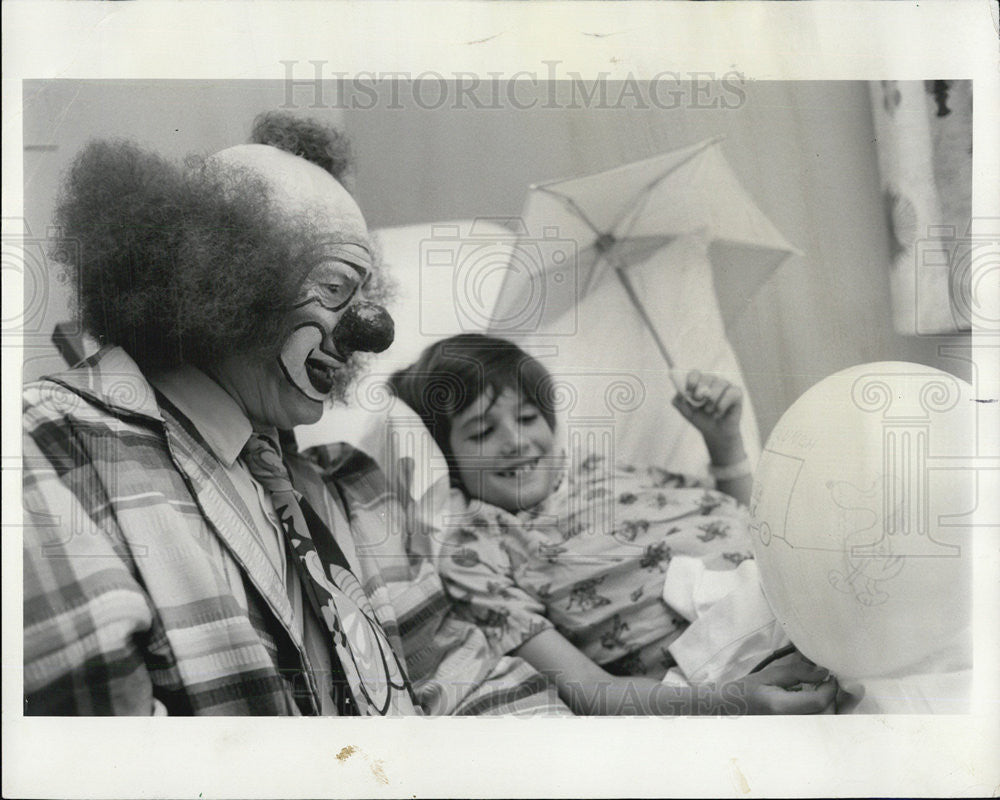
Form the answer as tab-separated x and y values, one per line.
590	560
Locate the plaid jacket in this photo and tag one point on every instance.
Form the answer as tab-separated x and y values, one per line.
134	541
452	666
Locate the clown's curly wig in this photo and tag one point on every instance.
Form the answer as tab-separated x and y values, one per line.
306	138
186	264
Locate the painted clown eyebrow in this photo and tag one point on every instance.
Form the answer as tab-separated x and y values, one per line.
337	263
333	283
356	252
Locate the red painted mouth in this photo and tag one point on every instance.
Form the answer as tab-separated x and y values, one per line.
321	375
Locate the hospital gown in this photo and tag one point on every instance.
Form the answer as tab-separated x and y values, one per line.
590	560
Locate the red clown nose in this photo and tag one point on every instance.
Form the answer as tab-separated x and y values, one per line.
365	327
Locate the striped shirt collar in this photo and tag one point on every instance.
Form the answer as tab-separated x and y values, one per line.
216	416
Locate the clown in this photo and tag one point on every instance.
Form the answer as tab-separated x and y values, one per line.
327	323
177	559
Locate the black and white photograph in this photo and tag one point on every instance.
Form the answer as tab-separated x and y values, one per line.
660	392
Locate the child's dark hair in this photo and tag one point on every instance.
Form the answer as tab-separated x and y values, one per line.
452	373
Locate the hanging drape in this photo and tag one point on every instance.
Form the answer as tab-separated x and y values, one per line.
924	141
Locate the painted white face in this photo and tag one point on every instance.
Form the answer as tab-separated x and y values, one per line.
292	389
310	358
504	451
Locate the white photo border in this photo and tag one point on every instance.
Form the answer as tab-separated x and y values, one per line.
825	756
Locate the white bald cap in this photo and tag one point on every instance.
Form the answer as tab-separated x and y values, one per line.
300	186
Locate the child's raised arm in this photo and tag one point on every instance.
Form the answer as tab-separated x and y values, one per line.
714	406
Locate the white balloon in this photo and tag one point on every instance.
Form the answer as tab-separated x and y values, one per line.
862	521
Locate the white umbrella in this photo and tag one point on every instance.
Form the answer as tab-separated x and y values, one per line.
578	232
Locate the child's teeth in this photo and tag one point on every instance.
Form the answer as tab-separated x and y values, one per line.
526	467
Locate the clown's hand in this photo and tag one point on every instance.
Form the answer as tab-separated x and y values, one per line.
714	406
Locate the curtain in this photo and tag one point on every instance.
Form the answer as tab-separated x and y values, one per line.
924	144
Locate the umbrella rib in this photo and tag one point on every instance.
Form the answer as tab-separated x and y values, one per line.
643	195
573	206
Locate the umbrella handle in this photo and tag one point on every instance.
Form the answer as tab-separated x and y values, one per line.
637	303
643	314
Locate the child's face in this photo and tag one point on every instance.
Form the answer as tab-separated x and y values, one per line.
503	451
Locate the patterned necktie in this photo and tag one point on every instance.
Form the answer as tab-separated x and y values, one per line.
370	667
